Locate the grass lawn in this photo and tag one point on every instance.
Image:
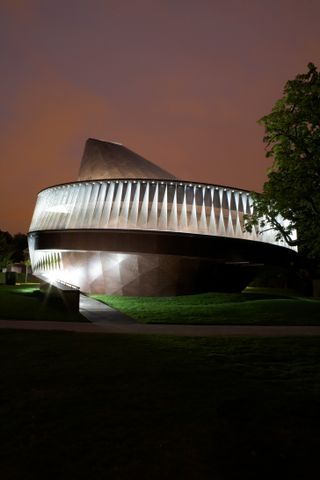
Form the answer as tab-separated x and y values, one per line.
87	406
220	308
26	302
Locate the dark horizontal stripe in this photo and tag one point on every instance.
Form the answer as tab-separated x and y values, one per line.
218	249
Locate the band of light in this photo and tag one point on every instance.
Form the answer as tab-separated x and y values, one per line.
147	205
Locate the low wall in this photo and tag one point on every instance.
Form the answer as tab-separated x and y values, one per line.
69	294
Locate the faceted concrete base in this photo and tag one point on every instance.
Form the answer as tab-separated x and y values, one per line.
150	274
118	262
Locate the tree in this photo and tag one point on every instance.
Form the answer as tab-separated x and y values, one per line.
19	244
6	250
292	190
12	248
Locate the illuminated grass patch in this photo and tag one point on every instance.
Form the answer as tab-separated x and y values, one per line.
219	308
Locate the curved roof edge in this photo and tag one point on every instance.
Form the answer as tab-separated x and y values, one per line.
104	160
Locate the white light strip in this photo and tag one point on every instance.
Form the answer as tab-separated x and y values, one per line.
147	205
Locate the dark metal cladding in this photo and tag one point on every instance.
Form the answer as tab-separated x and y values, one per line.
102	160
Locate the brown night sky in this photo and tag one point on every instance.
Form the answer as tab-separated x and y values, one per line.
181	82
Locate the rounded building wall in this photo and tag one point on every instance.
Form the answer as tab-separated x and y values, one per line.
145	233
144	274
147	205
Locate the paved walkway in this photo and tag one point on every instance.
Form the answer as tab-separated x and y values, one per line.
104	319
181	330
101	314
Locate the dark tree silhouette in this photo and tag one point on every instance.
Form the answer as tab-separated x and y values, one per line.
292	137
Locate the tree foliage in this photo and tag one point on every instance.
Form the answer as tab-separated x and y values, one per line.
292	190
12	248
